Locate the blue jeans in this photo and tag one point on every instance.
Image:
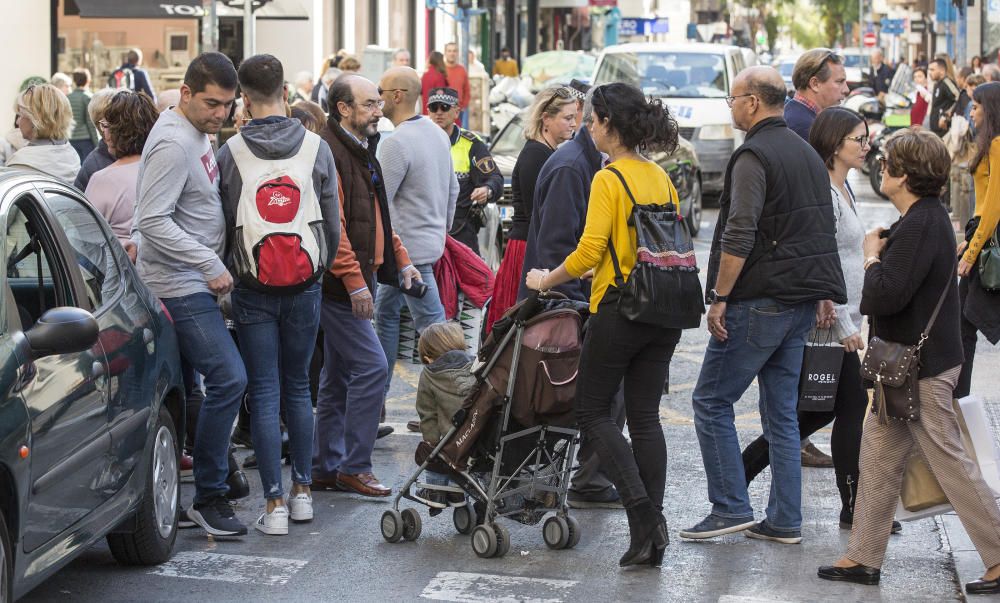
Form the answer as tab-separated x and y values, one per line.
277	335
351	386
766	341
425	312
207	346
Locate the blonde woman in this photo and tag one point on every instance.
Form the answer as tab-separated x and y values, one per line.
44	117
552	122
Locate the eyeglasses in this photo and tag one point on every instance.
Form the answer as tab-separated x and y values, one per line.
104	125
371	105
438	108
861	140
561	92
883	164
829	55
731	99
383	91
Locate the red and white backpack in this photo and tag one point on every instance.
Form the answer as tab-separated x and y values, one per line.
279	243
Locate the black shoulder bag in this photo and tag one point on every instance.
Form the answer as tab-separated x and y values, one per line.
663	287
895	370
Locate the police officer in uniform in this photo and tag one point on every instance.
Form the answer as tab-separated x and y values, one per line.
479	180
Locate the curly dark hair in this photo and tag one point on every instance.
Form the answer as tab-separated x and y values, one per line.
130	116
641	123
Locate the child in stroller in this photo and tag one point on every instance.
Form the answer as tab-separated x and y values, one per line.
445	383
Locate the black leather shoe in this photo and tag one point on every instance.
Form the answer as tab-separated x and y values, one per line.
383	430
239	487
983	587
858	574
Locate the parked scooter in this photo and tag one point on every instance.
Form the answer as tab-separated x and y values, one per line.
896	117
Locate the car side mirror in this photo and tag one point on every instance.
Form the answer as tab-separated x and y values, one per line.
63	330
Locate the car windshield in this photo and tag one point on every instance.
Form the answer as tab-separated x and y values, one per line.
557	67
510	140
667	74
861	61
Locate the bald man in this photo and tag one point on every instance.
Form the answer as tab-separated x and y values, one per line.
773	265
422	189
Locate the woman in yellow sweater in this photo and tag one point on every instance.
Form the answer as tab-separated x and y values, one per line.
624	125
980	308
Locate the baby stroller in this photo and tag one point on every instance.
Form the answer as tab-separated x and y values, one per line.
514	439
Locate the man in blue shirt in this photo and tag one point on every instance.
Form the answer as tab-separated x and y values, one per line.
820	82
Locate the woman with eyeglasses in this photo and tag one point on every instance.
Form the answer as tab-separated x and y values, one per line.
436	76
981	308
626	126
909	278
840	137
128	119
45	119
551	122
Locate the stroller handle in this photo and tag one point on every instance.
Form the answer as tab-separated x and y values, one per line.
533	304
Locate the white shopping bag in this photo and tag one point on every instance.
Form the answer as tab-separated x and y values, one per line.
987	455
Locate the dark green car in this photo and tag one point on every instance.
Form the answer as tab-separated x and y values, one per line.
91	395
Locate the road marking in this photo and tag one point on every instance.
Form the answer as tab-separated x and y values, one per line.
472	587
747	599
406	373
268	571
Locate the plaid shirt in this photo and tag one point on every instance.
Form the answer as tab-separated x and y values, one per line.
808	103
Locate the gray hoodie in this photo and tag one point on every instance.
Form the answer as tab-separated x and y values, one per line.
279	138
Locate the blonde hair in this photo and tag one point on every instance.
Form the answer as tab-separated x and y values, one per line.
549	101
99	104
48	110
439	339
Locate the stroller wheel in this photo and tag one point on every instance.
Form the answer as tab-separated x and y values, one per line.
484	541
503	540
574	532
411	524
392	525
555	531
462	518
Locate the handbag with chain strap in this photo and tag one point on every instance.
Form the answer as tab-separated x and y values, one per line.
894	368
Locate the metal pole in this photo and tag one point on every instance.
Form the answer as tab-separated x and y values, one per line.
248	29
209	27
463	50
861	23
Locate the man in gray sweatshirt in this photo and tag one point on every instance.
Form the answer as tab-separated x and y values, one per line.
422	189
180	231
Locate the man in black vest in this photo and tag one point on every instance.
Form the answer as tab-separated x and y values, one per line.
772	272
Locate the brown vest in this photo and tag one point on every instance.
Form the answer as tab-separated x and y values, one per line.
360	196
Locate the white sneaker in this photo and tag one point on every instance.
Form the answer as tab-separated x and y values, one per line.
274	523
300	507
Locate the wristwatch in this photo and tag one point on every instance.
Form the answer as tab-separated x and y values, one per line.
714	297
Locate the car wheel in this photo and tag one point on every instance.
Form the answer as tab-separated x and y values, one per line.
6	563
156	518
694	214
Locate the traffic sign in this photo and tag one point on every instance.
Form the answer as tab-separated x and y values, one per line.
892	26
870	39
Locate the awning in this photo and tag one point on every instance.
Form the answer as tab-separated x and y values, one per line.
183	9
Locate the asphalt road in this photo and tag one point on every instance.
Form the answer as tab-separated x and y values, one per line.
342	556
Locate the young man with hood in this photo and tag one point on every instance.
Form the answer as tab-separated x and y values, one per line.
277	324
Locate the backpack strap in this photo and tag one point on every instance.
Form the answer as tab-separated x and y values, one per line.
628	191
619	277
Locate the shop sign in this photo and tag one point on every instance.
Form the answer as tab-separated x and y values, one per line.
603	2
643	27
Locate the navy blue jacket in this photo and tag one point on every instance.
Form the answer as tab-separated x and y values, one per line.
141	80
560	211
799	118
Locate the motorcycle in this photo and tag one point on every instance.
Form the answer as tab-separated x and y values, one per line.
896	117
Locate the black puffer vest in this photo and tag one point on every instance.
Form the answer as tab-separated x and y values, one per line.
794	258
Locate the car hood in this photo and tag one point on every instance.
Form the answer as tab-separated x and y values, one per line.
696	112
505	163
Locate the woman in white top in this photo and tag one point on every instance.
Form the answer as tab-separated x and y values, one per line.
840	136
127	122
45	118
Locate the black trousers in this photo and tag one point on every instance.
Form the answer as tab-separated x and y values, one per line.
970	335
848	416
617	350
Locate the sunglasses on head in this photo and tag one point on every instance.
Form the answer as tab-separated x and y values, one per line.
438	107
561	92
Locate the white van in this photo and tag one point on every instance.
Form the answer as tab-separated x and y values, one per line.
694	80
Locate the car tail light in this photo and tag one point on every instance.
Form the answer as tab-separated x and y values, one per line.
167	312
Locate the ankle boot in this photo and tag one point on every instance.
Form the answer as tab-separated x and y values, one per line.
848	487
647	536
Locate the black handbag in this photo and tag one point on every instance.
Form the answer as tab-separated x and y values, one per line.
895	370
821	363
663	288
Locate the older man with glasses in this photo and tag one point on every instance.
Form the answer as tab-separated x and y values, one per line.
354	367
820	82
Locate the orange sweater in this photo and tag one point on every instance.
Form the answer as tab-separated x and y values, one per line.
346	266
